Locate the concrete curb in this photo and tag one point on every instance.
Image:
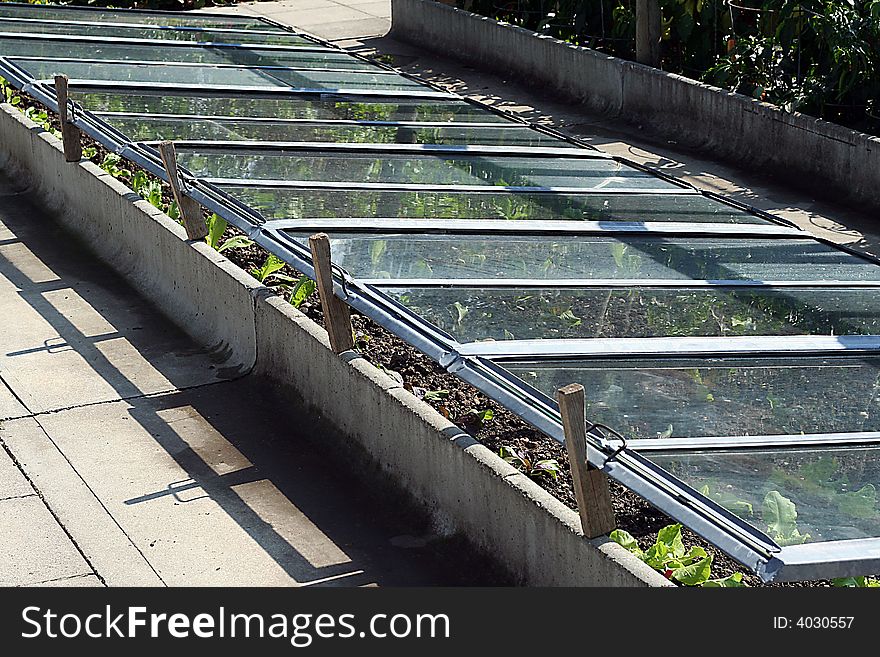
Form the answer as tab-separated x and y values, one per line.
731	126
467	489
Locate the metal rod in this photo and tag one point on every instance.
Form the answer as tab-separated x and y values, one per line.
419	187
164	43
659	229
226	118
364	147
604	283
596	348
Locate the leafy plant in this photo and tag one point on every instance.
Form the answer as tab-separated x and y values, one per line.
112	165
269	269
528	465
780	515
479	417
216	228
728	501
302	290
668	555
857	582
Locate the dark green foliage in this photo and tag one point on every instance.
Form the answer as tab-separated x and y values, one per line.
821	57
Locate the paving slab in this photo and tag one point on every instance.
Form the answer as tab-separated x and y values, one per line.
347	29
33	547
12	481
98	535
78	581
10	407
79	320
221	485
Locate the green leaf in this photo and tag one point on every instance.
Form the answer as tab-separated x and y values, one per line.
270	265
549	467
730	582
304	288
216	228
694	574
484	416
436	395
626	540
670	536
235	242
694	554
658	556
779	513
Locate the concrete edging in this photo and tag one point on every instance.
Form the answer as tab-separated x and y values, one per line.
729	125
467	489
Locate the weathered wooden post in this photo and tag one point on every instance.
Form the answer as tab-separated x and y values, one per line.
70	134
337	318
190	210
590	484
648	32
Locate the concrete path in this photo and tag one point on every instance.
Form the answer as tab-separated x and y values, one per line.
131	456
807	208
328	19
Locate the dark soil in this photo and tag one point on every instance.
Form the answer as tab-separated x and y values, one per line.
421	375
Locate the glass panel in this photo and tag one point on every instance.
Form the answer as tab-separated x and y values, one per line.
566	257
187	54
704	397
794	495
430	169
300	204
188	129
136	32
286	108
187	19
472	314
232	76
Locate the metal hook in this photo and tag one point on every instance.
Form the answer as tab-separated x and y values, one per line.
342	276
605	428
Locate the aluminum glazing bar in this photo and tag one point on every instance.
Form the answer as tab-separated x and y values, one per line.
751	442
417	149
214	65
167	43
141	26
671	346
369	225
476	126
226	91
587	283
824	560
176	15
248	90
419	187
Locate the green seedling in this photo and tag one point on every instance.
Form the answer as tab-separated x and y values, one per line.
857	582
780	515
478	417
302	290
269	270
111	164
528	465
668	555
216	228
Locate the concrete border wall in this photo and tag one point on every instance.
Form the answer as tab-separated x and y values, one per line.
728	125
466	488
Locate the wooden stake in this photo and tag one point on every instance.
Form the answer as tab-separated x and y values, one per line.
590	484
337	319
70	135
648	32
190	210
